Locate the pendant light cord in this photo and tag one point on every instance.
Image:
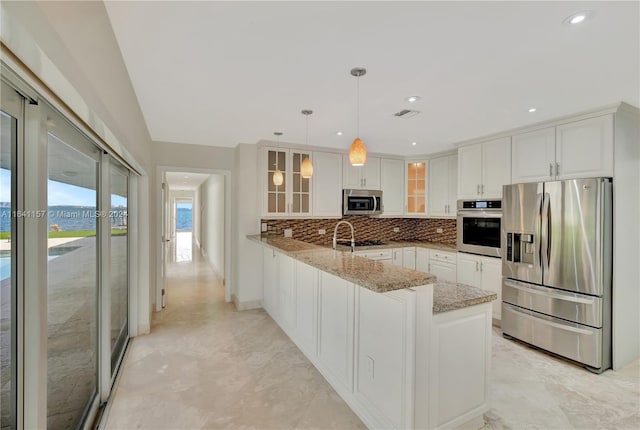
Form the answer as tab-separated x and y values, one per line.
358	107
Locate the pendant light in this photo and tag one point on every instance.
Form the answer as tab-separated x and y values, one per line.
358	151
278	177
306	169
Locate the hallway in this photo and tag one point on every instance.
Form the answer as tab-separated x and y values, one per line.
205	365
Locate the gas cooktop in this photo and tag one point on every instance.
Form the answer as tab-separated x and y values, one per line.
369	242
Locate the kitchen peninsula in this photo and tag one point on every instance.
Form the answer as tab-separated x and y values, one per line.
401	348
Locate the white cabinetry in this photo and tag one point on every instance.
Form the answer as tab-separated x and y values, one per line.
484	168
443	186
327	184
269	281
365	177
409	258
396	256
392	186
442	264
286	292
579	149
585	148
482	272
293	197
336	328
422	260
306	331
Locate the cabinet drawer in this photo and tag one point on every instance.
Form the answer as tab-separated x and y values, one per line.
443	256
383	254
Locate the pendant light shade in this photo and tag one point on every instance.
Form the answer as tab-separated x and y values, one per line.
358	150
306	169
278	177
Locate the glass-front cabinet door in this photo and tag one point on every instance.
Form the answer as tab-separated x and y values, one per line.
286	192
416	187
300	187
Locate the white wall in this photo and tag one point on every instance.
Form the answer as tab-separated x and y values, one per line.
247	255
212	201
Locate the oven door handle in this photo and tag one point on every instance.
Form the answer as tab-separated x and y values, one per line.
480	214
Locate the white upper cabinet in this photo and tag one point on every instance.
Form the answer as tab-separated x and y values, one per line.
484	168
392	186
585	148
327	184
533	156
365	177
496	167
293	197
442	185
579	149
469	171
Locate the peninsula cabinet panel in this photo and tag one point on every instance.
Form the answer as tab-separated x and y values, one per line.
383	356
336	328
307	308
584	149
392	186
533	156
269	266
286	292
327	184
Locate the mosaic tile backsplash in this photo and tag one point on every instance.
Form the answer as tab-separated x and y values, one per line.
367	228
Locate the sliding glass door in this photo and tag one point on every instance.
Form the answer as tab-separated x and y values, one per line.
119	260
72	275
10	126
64	266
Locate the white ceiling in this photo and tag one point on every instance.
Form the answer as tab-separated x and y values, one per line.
185	180
223	73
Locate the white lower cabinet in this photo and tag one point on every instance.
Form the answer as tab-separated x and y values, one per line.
306	330
269	281
394	363
422	260
409	258
286	292
336	332
482	272
459	367
396	255
384	323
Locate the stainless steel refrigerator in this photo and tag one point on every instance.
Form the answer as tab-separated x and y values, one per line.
556	268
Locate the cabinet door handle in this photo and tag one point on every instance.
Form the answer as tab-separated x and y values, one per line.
365	182
482	189
557	169
476	266
429	267
481	266
551	170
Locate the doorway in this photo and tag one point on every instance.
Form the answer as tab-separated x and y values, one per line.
203	197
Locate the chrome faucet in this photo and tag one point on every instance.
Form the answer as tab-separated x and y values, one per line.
335	232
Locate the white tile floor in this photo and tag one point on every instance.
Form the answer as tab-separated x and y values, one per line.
205	365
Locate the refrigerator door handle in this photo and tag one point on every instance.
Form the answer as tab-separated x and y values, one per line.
537	237
545	233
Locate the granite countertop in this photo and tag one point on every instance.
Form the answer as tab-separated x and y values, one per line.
375	275
449	296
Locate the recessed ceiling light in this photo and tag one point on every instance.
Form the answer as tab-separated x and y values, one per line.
412	99
532	110
339	133
578	17
414	143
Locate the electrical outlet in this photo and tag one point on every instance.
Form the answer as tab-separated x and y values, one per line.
322	231
288	232
439	230
263	227
396	229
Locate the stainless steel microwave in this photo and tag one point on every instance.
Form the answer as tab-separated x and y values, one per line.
361	202
479	227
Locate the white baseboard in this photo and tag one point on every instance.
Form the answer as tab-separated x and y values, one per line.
245	306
